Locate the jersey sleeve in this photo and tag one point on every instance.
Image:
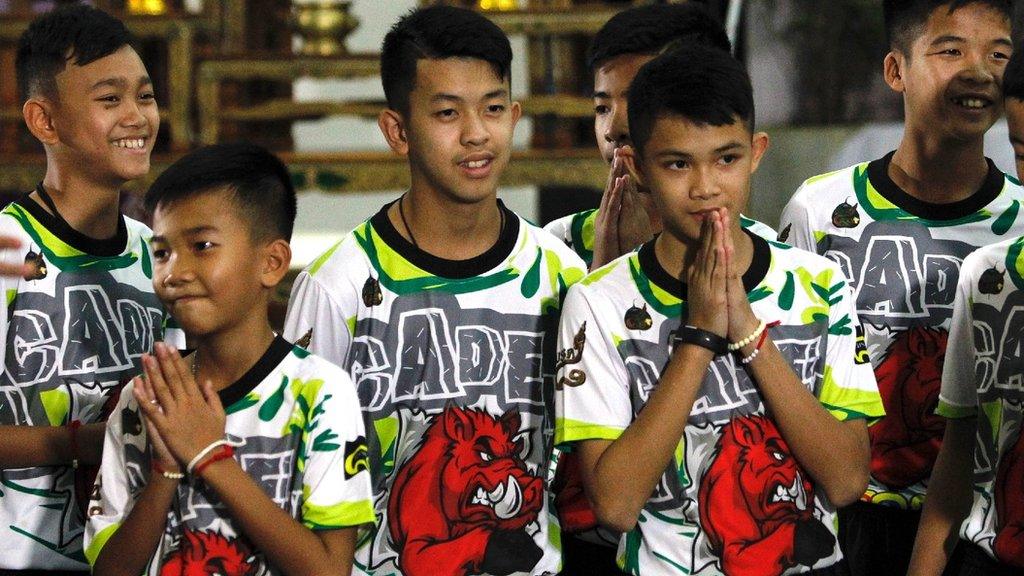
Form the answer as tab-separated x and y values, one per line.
958	396
849	389
112	496
796	224
559	228
591	383
313	311
336	479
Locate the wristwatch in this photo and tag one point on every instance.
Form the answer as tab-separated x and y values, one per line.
692	335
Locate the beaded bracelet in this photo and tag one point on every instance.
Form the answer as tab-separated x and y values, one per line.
166	473
757	349
202	454
225	452
737	345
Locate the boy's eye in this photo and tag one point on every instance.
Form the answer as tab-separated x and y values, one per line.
112	99
729	159
496	108
147	96
601	110
678	165
159	254
446	114
1001	56
203	245
951	51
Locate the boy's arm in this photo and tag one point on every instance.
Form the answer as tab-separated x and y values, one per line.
314	312
950	488
27	446
796	224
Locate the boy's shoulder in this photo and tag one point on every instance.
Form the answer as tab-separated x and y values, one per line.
552	243
836	182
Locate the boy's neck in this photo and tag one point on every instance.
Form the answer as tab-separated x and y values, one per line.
225	357
676	255
936	171
431	222
90	208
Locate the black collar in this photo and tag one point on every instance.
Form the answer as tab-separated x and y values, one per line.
278	350
878	174
755	273
112	246
456	269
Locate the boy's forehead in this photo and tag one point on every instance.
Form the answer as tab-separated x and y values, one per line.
214	208
617	73
963	22
123	65
676	134
457	76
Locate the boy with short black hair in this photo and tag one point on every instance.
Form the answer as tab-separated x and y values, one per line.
450	344
727	361
76	324
631	38
900	227
262	469
980	400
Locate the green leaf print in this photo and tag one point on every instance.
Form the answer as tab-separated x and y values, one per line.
1005	221
788	292
531	281
323	441
274	402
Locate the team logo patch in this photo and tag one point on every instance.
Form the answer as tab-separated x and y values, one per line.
575	377
860	348
638	318
371	292
784	235
356	457
991	281
305	340
845	216
38	265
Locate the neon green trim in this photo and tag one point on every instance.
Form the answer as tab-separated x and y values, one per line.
322	259
600	273
947	410
340	515
567	430
849	403
56	404
98	542
820	177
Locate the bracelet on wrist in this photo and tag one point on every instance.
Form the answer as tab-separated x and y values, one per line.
225	451
760	342
733	347
203	453
699	337
73	427
166	473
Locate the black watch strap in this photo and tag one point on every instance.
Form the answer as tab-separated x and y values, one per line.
693	335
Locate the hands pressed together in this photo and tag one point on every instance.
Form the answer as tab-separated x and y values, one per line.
622	222
182	418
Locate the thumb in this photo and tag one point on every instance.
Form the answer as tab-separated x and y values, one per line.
211	397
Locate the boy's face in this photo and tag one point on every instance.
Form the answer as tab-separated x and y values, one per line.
207	269
693	170
458	131
611	88
1015	122
106	119
951	78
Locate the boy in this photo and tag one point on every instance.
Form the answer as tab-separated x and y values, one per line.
450	344
899	228
76	324
744	453
286	484
630	39
992	538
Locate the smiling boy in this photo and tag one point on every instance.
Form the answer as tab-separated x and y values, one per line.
900	227
710	381
77	323
443	307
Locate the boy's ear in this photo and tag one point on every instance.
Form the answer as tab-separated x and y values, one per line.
892	70
758	146
277	258
517	112
38	115
392	125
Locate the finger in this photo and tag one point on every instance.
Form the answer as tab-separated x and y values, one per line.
169	372
613	173
212	398
149	409
183	372
155	381
16	270
9	242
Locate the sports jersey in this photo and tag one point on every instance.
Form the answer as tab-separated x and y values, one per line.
294	422
453	362
577	231
903	258
984	378
734	495
72	330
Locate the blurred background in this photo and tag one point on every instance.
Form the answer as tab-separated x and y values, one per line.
301	77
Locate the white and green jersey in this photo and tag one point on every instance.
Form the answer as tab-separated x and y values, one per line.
734	499
453	362
577	231
72	331
984	378
903	257
294	422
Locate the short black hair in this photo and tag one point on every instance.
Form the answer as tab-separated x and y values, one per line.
438	32
260	182
1013	76
904	19
650	29
75	33
704	85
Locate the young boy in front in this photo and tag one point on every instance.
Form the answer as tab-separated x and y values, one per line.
899	227
627	216
75	324
983	444
711	381
262	469
443	307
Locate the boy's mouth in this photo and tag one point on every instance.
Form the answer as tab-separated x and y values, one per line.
131	143
477	165
972	102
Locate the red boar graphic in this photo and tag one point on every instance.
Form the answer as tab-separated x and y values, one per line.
905	443
757	505
205	553
1009	542
460	505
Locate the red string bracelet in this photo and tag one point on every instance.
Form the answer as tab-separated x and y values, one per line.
73	427
166	474
760	342
225	452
